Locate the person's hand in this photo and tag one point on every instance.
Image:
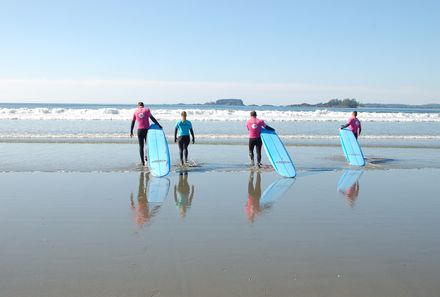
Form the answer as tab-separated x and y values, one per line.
159	126
131	135
193	140
175	139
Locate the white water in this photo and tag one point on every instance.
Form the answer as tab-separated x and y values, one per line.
321	115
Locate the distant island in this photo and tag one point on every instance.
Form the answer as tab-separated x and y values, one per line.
353	103
332	103
231	102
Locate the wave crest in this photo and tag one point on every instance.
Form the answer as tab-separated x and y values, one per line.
197	114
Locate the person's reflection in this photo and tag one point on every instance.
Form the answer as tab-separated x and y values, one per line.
349	186
254	195
142	211
352	193
183	194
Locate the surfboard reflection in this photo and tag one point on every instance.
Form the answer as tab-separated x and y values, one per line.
348	185
151	194
183	194
260	203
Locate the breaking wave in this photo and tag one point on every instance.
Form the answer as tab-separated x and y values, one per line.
196	114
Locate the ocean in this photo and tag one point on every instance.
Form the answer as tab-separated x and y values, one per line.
85	137
79	123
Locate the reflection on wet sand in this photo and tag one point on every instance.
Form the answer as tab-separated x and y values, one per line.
348	185
252	207
257	203
151	194
183	194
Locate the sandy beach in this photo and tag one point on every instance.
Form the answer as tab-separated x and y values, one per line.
223	231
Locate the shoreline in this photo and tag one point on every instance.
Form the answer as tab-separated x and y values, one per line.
87	157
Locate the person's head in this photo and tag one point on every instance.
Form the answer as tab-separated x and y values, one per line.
253	114
183	115
354	113
140	104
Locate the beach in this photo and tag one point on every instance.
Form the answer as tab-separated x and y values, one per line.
80	216
219	229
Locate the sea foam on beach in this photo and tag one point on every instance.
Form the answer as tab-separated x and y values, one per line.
206	114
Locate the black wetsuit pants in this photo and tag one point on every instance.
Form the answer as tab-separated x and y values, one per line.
255	142
142	138
183	142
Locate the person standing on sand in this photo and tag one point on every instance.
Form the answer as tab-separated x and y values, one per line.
184	127
142	116
254	125
354	124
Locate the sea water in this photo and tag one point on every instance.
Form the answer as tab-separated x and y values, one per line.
32	132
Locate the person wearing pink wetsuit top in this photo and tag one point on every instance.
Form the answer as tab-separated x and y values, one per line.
354	124
254	125
142	116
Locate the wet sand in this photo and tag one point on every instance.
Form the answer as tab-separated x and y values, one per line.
62	157
241	233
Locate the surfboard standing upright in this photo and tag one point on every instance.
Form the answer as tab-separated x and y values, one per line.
277	154
351	148
158	152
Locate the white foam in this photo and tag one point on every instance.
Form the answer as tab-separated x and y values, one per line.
24	136
320	115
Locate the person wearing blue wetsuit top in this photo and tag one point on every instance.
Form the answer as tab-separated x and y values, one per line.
182	130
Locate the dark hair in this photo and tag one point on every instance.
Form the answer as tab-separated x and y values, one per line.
355	113
141	104
253	113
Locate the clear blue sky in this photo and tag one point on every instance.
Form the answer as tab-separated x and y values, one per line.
262	51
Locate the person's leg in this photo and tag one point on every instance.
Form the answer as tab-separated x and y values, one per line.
185	147
251	150
259	143
146	146
142	134
180	144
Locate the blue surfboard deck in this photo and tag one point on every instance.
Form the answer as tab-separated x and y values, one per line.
158	153
158	189
277	154
351	148
276	190
348	179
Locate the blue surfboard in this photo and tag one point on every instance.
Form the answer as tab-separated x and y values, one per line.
348	179
351	148
158	153
275	191
277	154
158	190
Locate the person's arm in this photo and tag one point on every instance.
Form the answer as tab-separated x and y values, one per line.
155	121
360	129
344	126
175	134
132	126
192	133
267	127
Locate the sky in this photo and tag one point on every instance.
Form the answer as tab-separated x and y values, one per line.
264	52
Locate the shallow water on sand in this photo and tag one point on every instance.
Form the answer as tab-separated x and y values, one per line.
334	233
61	157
